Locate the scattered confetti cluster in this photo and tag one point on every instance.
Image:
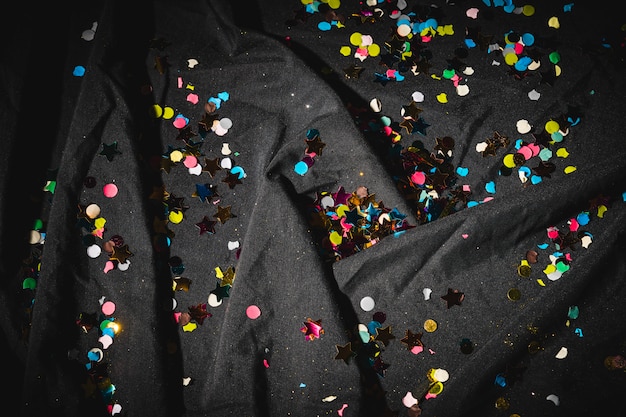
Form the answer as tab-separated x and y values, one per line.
96	365
314	148
351	222
343	222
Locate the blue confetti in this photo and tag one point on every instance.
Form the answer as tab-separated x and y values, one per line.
79	71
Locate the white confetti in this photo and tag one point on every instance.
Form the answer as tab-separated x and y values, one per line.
409	400
427	292
534	95
562	353
523	126
329	399
554	399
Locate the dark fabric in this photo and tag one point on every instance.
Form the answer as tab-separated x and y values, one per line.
284	83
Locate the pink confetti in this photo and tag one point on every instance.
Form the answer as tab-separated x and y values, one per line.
418	177
253	312
180	122
192	98
266	363
417	349
110	190
465	235
180	82
108	266
472	13
190	161
108	308
343	407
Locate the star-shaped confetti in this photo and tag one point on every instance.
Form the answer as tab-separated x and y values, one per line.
312	329
199	313
206	225
223	214
205	192
232	179
383	335
411	111
453	297
345	352
211	166
353	71
221	291
412	340
120	254
110	150
315	145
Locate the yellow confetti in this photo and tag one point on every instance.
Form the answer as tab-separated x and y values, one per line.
541	283
335	238
190	327
435	76
442	98
551	127
373	49
176	156
175	216
156	111
510	59
355	39
557	70
218	272
509	160
528	10
342	209
549	269
334	4
168	113
562	153
569	169
190	87
601	210
99	222
345	51
553	22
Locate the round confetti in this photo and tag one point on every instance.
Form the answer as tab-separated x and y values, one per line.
430	325
553	22
367	303
436	388
301	168
513	294
110	190
502	403
523	126
79	71
92	211
417	96
108	308
253	312
355	39
190	161
94	251
213	301
440	375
